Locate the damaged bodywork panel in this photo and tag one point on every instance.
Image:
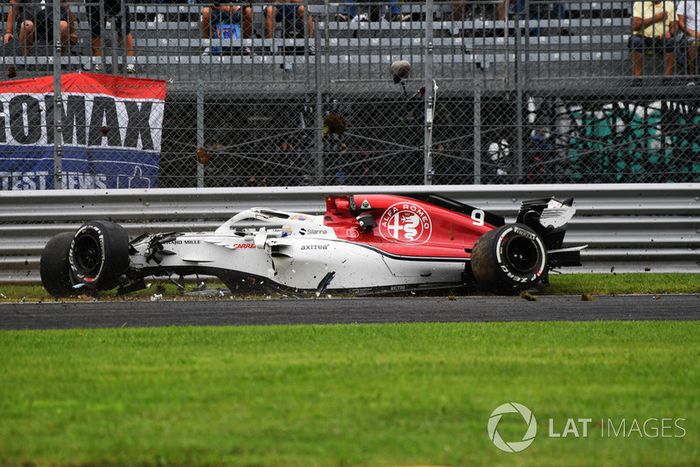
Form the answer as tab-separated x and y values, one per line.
361	242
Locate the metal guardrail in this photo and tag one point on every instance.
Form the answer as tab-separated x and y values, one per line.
629	227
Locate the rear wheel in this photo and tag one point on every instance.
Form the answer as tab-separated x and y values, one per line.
54	269
511	257
99	254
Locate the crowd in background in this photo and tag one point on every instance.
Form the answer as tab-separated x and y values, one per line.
665	29
658	27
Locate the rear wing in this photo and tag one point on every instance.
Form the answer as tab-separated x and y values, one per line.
549	217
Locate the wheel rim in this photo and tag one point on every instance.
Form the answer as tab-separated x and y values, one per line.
522	254
87	255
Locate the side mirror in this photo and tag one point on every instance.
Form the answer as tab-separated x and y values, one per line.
366	222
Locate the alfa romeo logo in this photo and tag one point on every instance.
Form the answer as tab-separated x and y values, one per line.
528	437
405	223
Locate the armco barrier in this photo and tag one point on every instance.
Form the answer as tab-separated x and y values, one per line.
629	227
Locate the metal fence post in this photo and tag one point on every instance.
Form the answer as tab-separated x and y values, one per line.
306	32
429	99
103	43
518	96
477	129
57	99
113	38
200	130
319	111
122	35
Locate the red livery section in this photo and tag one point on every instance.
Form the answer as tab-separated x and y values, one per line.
405	226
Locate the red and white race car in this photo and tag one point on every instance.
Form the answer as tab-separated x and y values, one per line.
363	244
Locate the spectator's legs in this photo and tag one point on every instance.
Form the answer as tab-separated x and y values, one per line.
96	46
669	63
65	33
637	63
95	21
668	47
206	22
129	44
26	36
124	30
560	10
458	11
637	44
270	14
501	13
309	20
247	22
692	57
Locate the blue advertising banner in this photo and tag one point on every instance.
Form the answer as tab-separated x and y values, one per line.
111	128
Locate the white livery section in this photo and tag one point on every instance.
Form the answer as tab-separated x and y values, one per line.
296	251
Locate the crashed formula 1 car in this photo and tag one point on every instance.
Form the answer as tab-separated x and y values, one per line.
363	244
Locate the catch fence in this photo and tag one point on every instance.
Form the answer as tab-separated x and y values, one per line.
340	93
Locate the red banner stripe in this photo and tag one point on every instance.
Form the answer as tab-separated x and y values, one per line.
90	83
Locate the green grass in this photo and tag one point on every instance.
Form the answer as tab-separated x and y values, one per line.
19	292
575	284
612	284
345	394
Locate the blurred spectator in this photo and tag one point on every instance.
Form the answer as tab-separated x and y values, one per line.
33	20
474	9
688	23
218	16
653	27
120	19
534	10
500	158
501	13
351	11
291	16
458	10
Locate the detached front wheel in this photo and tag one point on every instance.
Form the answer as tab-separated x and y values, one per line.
54	268
511	257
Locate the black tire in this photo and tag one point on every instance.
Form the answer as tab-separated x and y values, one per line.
99	254
509	258
54	267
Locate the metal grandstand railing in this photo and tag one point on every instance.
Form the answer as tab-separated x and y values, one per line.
499	91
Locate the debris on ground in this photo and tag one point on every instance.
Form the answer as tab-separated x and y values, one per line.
528	296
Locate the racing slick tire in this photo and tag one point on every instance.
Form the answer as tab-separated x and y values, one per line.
509	258
54	268
99	254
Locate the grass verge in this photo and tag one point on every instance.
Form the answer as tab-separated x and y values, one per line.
613	284
563	284
347	394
